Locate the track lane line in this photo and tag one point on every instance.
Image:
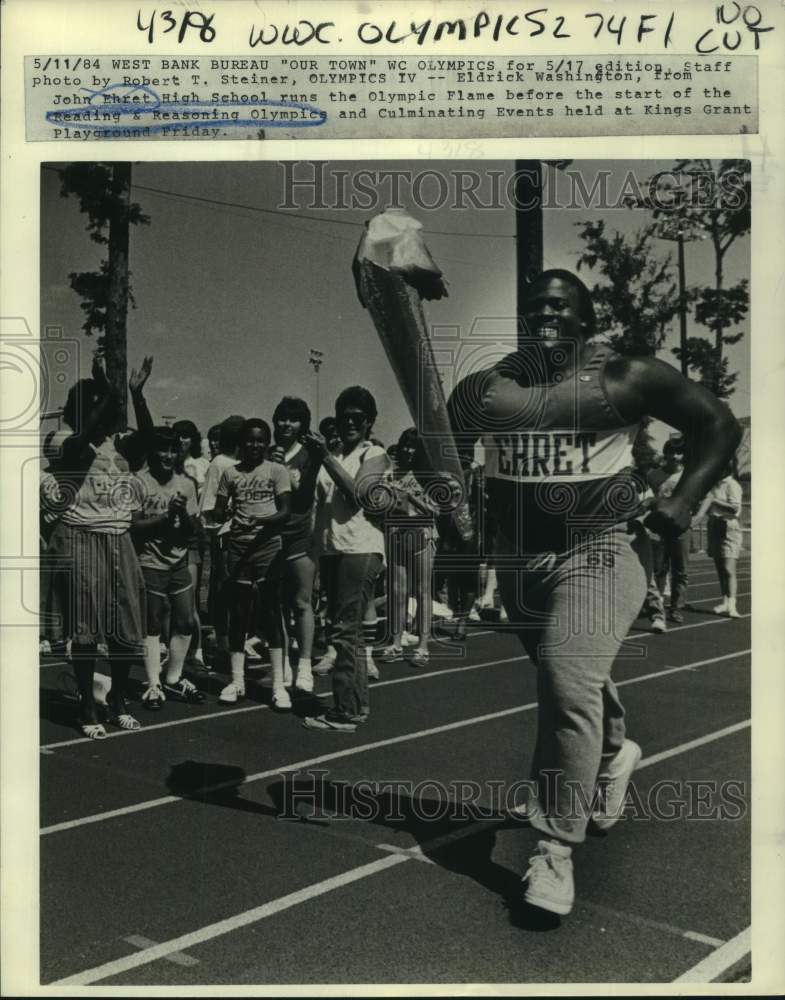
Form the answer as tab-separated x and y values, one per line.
222	713
393	856
210	931
714	965
364	748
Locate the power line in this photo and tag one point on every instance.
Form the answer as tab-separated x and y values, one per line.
297	215
218	204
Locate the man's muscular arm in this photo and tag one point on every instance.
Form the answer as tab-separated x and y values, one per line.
463	409
645	387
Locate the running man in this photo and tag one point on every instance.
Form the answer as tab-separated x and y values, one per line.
558	419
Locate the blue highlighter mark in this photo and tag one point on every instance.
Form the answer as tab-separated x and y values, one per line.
147	111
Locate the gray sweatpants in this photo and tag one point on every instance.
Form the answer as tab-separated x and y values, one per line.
573	611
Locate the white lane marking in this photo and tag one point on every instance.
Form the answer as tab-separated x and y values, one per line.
632	637
176	958
705	600
234	923
714	965
658	925
414	853
719	620
665	754
364	748
221	713
394	856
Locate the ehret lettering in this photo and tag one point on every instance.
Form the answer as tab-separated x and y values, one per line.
544	453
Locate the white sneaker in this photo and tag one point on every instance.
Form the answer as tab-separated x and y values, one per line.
410	639
658	624
102	685
721	608
373	670
327	662
613	779
232	693
281	700
251	653
304	680
549	880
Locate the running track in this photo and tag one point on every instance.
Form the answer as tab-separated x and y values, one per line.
197	880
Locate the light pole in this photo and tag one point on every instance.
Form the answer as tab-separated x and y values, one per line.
678	230
315	360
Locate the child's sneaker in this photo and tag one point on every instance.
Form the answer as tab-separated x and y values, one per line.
153	697
232	693
281	700
327	662
304	680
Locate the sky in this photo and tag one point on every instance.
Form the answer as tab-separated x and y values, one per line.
230	299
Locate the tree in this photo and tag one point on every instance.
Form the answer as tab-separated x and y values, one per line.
104	191
639	298
713	201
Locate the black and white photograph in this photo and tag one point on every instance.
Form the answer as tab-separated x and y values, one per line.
395	571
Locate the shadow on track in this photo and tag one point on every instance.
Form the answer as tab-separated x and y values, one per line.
458	836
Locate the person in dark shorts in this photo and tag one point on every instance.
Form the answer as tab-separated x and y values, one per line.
259	492
292	420
195	465
411	544
162	530
218	533
558	419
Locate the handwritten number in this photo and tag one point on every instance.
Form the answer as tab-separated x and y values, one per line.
148	28
600	22
191	19
206	30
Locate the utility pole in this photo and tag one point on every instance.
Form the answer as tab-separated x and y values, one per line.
529	224
315	360
528	228
115	341
678	231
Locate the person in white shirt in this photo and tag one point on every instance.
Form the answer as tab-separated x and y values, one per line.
723	506
353	548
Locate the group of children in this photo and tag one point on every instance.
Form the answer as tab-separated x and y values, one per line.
129	522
